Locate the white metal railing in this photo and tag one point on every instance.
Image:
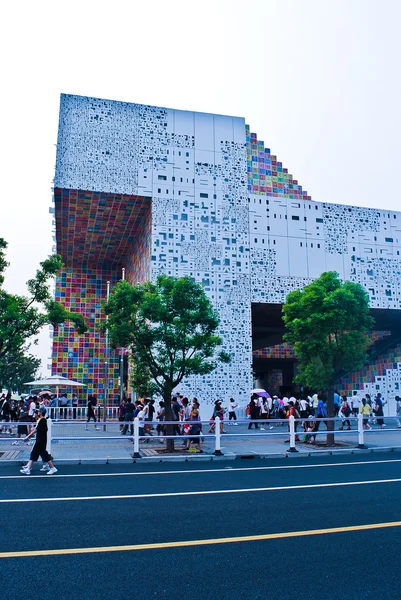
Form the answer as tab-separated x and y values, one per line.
56	431
58	413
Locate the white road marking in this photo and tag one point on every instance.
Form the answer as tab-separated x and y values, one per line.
224	470
201	493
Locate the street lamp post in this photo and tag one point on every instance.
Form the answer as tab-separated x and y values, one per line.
106	367
122	357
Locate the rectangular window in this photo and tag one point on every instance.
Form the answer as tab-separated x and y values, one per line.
390	240
162	178
204	195
295	218
318	220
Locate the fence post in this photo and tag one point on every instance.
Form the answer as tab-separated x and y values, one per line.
49	436
217	449
292	435
136	438
360	431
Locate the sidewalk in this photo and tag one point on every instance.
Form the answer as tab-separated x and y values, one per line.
72	444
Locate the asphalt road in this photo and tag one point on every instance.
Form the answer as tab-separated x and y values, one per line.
220	530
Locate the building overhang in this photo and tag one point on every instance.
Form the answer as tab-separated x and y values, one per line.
98	228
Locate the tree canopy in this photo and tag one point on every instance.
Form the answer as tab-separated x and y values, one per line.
17	370
22	317
170	327
327	324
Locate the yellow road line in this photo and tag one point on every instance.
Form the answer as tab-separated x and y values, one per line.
207	542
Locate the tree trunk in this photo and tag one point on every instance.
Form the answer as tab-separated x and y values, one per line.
168	417
330	414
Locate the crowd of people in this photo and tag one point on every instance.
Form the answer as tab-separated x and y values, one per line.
313	409
262	411
185	419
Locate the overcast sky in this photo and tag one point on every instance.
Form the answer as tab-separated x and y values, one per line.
317	80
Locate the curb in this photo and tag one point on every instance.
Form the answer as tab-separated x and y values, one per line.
210	457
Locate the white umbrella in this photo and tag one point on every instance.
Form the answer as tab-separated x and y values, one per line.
56	381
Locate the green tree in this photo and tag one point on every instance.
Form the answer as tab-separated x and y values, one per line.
170	327
22	317
17	369
327	324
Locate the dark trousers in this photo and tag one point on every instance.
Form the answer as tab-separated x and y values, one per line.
129	418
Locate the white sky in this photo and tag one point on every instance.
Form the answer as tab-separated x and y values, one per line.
317	80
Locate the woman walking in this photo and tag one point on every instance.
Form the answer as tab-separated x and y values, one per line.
365	412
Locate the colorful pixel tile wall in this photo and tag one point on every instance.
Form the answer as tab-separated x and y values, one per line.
82	357
266	175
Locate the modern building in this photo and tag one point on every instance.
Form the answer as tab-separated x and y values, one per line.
156	190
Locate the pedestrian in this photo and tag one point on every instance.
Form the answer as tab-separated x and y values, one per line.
5	414
264	414
312	427
121	413
365	412
292	412
91	413
355	403
344	413
74	406
176	409
231	412
39	448
160	416
398	409
128	417
218	411
379	411
196	427
321	412
254	410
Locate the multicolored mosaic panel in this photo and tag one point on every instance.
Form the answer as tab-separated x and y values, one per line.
286	351
82	357
358	379
274	381
266	175
99	228
137	263
278	351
